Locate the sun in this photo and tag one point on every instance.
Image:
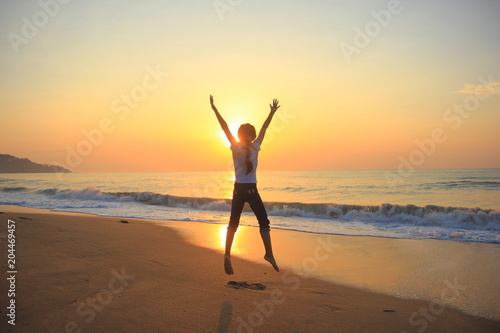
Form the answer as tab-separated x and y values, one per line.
233	127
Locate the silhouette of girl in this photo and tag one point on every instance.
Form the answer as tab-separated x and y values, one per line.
245	153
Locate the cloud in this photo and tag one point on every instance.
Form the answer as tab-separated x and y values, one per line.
490	88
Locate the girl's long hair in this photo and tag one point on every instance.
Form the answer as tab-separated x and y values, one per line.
245	131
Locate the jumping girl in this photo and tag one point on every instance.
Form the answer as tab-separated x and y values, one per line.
245	153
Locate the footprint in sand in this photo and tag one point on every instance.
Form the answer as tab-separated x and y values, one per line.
245	285
226	315
332	308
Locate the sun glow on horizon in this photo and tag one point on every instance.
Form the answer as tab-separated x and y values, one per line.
138	83
233	127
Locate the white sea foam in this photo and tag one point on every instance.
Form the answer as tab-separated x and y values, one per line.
386	220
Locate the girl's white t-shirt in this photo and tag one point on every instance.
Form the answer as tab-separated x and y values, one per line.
239	160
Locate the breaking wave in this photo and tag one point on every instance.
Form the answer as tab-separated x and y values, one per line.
384	215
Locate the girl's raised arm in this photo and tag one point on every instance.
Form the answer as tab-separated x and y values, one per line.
274	107
222	122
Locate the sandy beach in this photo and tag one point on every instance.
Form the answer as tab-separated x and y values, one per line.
336	158
82	273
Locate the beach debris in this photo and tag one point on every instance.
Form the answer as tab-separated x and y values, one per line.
24	218
123	221
245	285
389	310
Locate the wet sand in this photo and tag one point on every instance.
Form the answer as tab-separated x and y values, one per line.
82	273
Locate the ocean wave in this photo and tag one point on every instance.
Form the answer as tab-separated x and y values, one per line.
488	185
14	189
431	215
383	215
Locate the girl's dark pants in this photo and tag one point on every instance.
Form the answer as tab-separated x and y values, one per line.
247	192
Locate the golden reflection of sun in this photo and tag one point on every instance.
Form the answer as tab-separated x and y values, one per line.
221	241
222	236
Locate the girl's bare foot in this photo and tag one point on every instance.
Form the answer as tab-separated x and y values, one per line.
227	265
272	261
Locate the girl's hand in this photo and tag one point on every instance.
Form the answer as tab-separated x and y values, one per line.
212	101
274	106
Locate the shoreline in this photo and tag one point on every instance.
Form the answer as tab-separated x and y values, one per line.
406	268
68	260
455	239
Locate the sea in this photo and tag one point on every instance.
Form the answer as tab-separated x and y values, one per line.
451	204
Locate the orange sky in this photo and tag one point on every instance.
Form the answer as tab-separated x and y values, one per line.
102	69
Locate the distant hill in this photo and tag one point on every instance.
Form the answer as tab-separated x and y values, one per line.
12	164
